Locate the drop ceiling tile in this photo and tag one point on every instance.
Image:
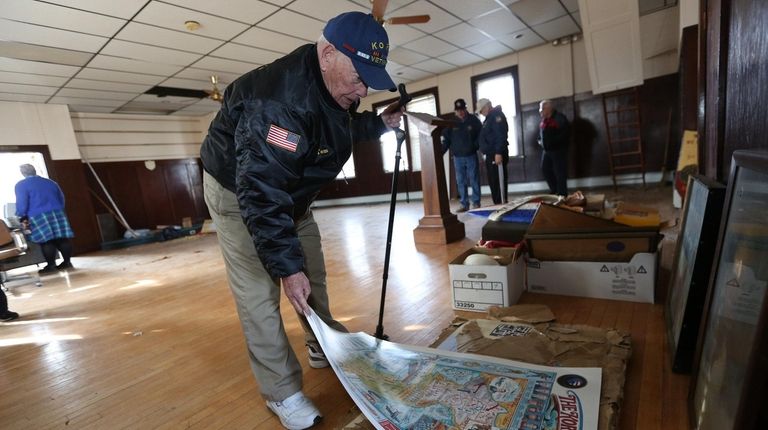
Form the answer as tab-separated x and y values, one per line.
522	39
115	76
266	39
151	98
224	65
205	75
410	74
430	46
173	17
191	84
392	5
90	109
45	36
94	94
121	9
234	51
86	102
461	58
45	54
36	67
29	79
248	11
439	19
399	35
469	9
291	23
462	35
327	9
405	56
559	27
498	23
124	64
490	49
571	5
28	98
153	54
537	12
151	35
433	66
26	89
51	15
89	84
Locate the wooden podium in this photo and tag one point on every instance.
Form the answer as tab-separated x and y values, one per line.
439	225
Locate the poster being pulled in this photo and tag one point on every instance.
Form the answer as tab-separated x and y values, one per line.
408	387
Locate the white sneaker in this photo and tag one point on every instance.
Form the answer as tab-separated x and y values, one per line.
296	412
317	358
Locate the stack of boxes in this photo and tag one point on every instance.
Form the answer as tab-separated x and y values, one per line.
568	253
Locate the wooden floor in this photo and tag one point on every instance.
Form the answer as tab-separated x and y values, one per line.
148	337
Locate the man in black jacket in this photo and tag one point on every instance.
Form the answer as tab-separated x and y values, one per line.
283	132
554	134
495	146
461	139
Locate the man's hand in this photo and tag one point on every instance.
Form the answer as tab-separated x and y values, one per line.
498	160
392	115
296	288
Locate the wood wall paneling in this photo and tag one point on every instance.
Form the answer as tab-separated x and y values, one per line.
689	73
746	118
715	64
147	198
71	177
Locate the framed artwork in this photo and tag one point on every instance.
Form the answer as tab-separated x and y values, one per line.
729	379
692	266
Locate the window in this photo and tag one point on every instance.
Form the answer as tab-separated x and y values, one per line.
410	159
501	88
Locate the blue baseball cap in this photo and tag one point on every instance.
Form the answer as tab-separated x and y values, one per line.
365	41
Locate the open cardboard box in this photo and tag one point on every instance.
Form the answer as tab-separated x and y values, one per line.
475	288
633	281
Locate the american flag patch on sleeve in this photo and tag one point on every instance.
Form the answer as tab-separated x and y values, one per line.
283	138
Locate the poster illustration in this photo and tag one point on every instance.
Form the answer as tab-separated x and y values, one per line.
407	387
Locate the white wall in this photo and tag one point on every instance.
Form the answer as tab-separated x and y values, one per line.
118	137
548	71
23	124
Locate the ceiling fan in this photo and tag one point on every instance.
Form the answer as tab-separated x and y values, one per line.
214	93
379	7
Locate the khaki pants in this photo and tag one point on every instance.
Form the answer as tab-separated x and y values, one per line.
257	294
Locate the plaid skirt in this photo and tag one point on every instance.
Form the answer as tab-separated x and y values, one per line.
50	225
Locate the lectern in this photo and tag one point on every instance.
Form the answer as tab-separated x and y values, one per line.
439	225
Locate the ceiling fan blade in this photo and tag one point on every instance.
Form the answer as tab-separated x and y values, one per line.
378	9
415	19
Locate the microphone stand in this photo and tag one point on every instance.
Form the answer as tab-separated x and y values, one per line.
400	135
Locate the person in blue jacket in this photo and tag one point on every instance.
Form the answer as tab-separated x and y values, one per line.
493	144
461	140
40	206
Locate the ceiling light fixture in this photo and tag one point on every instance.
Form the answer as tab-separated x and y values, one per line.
192	25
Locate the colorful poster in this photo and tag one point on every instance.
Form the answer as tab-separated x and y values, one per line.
408	387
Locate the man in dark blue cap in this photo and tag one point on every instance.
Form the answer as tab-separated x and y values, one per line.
284	131
461	140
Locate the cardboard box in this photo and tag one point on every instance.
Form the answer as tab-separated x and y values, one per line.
632	281
558	234
475	288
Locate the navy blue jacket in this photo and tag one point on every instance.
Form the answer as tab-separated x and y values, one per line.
493	136
277	140
461	139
